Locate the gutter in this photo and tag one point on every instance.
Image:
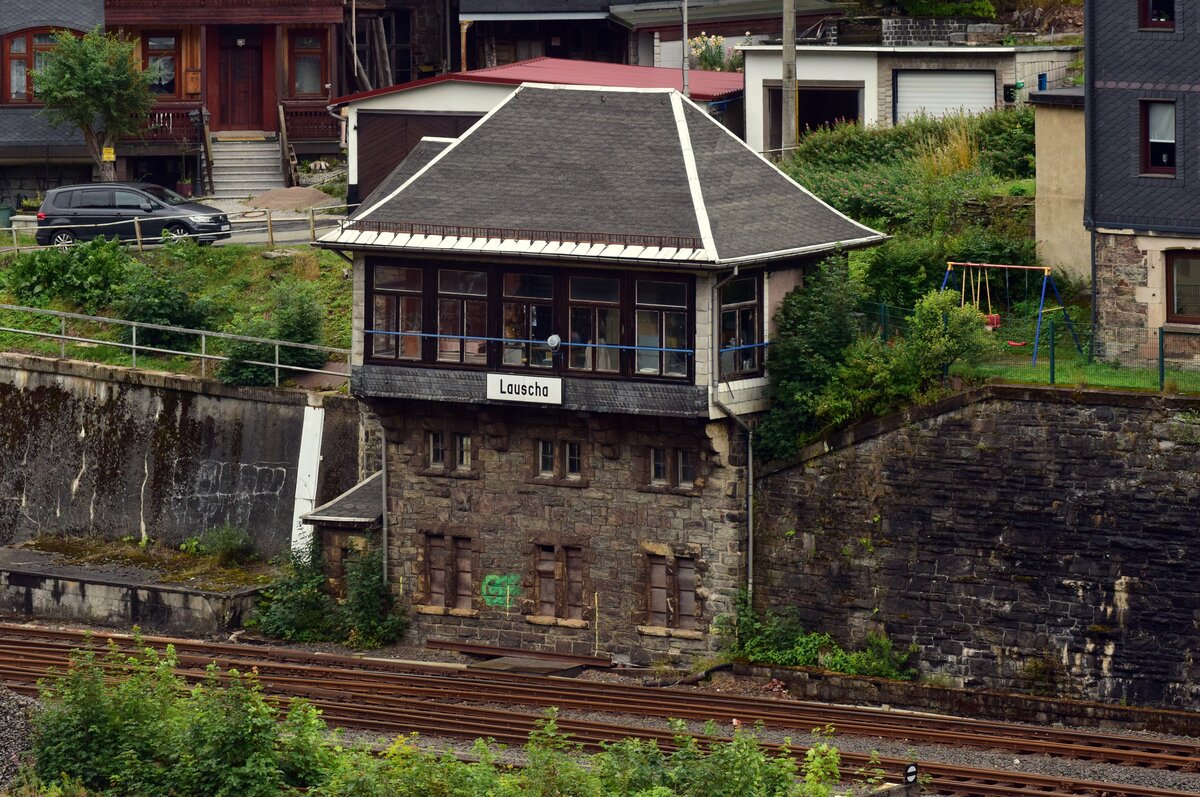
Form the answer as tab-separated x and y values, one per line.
745	427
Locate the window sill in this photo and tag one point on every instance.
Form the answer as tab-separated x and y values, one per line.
444	611
666	489
545	619
449	474
551	481
1153	176
675	633
1184	327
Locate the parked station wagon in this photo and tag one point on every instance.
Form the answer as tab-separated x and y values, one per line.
82	212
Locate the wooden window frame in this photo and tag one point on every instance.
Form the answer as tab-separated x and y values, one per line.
1172	316
1144	137
449	452
673	460
560	475
493	359
293	53
175	53
665	581
1146	19
29	57
457	591
754	305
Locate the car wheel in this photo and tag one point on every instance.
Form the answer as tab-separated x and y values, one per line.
176	232
62	239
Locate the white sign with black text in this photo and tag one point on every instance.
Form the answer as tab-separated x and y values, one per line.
531	389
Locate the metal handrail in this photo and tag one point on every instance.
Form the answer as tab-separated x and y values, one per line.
203	356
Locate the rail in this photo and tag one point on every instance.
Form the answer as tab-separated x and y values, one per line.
204	355
168	123
309	121
206	142
287	159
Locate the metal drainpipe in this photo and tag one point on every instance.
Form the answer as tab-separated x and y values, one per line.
384	531
715	310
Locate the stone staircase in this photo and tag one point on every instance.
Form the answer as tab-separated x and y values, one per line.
245	165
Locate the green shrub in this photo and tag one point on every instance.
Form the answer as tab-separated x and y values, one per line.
973	9
240	369
1006	141
298	317
367	618
83	275
905	268
296	606
151	297
231	545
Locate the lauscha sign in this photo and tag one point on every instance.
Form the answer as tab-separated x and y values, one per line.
530	389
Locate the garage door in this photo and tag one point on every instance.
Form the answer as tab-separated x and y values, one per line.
937	92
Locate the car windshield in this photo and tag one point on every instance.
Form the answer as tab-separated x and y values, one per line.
165	195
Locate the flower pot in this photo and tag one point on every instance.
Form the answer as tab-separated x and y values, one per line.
183	189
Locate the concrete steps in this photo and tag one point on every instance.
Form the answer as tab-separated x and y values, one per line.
245	166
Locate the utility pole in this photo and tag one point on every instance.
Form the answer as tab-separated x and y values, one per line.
687	50
788	139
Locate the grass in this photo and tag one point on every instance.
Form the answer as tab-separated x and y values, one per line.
171	565
1071	369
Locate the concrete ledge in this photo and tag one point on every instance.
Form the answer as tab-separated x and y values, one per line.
807	683
163	607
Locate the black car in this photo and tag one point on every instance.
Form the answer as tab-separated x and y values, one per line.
82	212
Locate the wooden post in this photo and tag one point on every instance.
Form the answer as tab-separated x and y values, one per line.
270	231
137	230
462	32
312	224
16	243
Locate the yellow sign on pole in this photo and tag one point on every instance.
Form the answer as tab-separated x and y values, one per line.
109	154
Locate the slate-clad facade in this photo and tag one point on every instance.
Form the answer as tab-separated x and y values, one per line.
560	320
1143	163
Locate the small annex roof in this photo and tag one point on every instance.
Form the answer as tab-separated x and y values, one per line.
602	174
665	13
703	86
361	505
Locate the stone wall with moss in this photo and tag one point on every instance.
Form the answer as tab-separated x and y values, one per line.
1034	539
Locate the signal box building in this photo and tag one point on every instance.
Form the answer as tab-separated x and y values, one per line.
561	320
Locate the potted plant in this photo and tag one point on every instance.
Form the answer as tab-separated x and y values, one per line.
184	186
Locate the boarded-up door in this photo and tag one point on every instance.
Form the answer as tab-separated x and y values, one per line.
385	139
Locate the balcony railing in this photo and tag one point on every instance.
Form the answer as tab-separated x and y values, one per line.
170	123
309	121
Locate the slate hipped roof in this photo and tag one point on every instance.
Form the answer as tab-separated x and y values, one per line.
602	174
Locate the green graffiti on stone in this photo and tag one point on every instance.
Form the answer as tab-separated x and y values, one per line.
500	589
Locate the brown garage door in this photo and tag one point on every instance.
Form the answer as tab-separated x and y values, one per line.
384	139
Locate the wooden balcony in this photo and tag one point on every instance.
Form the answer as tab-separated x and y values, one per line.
170	123
221	12
309	121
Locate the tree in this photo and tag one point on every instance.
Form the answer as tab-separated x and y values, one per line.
94	82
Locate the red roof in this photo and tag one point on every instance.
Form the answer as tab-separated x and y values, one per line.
702	86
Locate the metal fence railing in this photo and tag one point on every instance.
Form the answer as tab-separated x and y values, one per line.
97	338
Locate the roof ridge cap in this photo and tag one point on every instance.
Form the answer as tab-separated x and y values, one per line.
693	176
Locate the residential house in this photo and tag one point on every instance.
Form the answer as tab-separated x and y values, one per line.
384	125
1141	158
882	85
1062	240
560	320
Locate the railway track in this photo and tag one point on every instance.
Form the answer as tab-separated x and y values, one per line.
391	697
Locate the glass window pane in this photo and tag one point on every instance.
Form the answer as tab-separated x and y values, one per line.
1162	121
43	38
472	283
675	328
595	289
96	198
574	460
383	319
308	43
545	458
1187	285
608	332
668	294
648	342
17	45
160	43
397	279
476	325
17	79
129	200
748	336
410	322
687	469
738	291
658	465
437	449
1162	10
162	73
449	344
540	320
515	320
529	286
39	59
580	357
308	74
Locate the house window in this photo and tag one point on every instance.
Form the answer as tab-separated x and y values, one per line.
449	451
1183	287
740	334
559	460
661	322
559	571
672	595
673	468
528	316
396	313
595	324
1158	14
306	63
1158	137
24	53
448	571
160	58
462	321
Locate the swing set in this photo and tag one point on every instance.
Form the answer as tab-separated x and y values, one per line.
976	288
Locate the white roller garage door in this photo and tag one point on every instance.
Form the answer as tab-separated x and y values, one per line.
937	92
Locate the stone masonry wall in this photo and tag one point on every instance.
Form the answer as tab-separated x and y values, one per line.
610	514
1033	539
1121	269
907	31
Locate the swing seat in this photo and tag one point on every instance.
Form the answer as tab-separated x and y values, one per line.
992	321
1017	343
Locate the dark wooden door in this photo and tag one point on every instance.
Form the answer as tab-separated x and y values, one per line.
240	75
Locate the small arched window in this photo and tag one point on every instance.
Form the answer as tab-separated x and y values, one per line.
23	53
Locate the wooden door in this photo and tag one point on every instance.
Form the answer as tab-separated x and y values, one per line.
240	81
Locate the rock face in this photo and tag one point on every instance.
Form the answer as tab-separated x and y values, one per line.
1034	539
15	732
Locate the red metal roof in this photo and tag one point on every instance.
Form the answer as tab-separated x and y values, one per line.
702	86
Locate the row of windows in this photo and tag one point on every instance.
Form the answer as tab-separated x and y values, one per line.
24	52
637	325
450	453
557	579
